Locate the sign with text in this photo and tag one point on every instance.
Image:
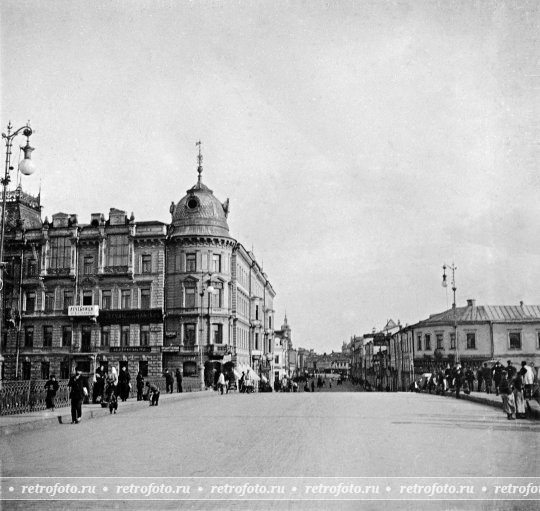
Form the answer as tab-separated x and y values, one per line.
124	349
83	310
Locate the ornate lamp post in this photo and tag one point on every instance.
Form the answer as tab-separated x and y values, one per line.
26	167
453	268
210	289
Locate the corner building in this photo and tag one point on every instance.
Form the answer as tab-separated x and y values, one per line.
121	292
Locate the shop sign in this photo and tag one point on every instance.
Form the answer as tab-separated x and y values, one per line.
170	334
83	310
126	349
170	349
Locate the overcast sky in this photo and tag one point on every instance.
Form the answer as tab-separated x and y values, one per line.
362	144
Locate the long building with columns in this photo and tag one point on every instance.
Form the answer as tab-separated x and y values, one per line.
142	294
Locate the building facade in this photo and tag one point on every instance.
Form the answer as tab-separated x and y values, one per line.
145	295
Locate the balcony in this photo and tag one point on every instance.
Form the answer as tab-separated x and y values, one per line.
217	349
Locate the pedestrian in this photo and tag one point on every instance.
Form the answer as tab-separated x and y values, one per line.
510	370
469	378
178	379
487	376
497	375
77	392
140	386
124	385
169	381
507	396
221	382
527	375
153	394
518	397
458	380
479	378
313	385
241	383
52	388
99	385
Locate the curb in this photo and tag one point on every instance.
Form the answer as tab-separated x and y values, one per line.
41	419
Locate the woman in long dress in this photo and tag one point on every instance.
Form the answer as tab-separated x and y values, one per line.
505	390
518	397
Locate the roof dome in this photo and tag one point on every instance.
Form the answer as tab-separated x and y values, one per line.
200	213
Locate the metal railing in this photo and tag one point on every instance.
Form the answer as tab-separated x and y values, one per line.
23	396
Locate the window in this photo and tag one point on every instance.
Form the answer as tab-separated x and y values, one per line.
45	370
30	301
66	335
538	341
270	322
515	340
60	253
189	334
117	250
419	338
216	263
191	262
146	266
88	268
217	333
124	336
189	296
276	360
440	342
145	335
47	336
105	336
126	299
31	269
29	336
68	300
452	341
106	299
471	341
217	296
427	340
88	298
86	338
49	302
256	341
256	312
145	298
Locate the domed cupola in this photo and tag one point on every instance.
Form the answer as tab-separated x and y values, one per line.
199	212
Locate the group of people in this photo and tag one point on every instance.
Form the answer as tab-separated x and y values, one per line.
513	384
107	389
169	380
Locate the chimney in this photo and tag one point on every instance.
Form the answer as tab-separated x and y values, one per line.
471	302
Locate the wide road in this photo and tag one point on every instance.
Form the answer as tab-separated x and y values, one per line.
321	434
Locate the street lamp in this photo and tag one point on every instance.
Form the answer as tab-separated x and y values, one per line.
26	167
210	290
454	288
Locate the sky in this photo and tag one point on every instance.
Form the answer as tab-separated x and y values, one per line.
362	144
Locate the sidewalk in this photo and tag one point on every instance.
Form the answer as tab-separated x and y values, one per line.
12	424
532	406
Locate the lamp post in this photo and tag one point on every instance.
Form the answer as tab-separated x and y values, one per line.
26	167
453	268
210	290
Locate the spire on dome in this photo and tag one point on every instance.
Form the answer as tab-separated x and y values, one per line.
199	159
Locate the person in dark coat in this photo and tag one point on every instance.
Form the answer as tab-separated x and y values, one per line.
140	386
469	378
497	371
458	380
169	381
99	385
487	375
77	391
52	388
178	375
123	383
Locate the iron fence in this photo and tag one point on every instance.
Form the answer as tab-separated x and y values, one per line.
21	396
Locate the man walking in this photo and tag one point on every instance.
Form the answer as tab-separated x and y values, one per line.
178	379
77	391
486	376
169	381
